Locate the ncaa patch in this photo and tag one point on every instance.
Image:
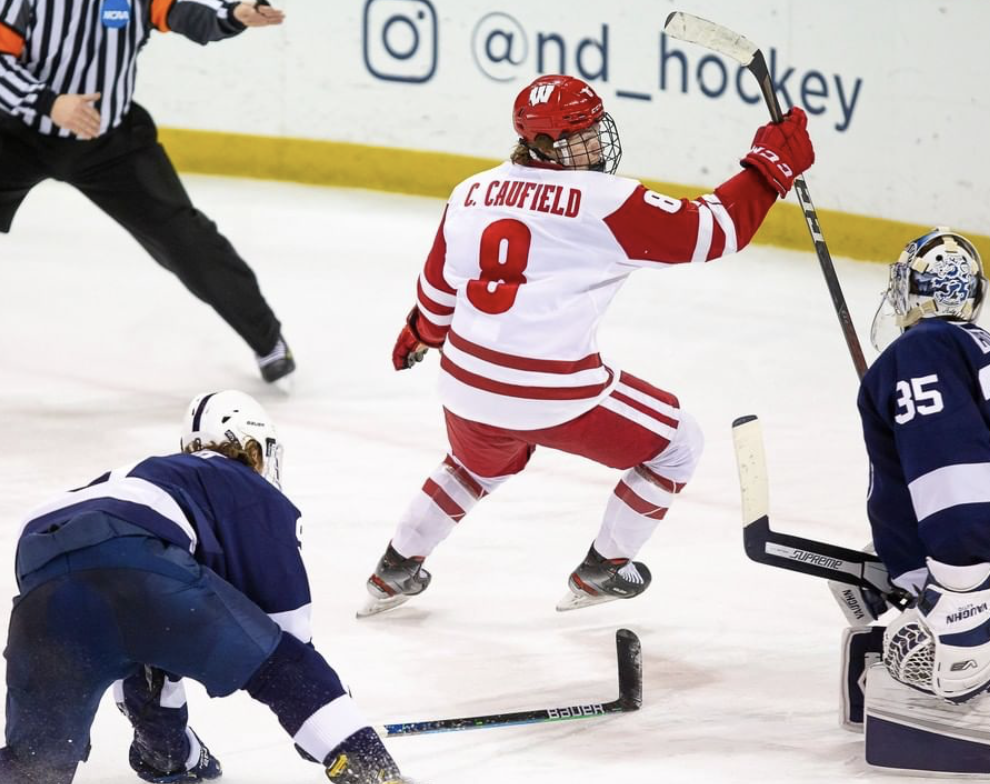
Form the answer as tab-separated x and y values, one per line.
115	14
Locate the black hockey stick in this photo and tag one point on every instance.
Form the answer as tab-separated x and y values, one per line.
630	699
766	546
694	29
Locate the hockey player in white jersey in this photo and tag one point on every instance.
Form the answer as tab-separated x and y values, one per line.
525	263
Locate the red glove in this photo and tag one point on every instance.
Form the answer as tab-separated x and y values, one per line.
410	348
781	151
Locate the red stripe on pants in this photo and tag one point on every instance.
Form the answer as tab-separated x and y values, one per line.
644	409
648	389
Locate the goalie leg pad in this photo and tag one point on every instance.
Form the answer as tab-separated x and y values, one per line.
862	647
912	731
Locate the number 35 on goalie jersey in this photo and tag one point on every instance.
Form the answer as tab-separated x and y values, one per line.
925	405
526	262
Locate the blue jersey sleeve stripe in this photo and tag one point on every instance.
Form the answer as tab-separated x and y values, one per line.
296	622
329	726
950	486
133	490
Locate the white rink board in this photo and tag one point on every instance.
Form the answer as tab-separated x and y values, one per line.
899	87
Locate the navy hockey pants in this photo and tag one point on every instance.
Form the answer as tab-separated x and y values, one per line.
92	616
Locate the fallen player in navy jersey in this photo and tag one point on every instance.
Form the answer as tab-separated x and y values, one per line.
181	566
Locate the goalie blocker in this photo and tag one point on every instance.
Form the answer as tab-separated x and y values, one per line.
907	729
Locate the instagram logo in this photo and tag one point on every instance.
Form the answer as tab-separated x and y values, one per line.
400	40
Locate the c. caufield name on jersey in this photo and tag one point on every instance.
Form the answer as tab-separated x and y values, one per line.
577	710
535	196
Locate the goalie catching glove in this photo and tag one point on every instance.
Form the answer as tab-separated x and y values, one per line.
942	644
782	151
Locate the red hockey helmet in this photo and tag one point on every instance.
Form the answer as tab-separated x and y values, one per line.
572	115
556	105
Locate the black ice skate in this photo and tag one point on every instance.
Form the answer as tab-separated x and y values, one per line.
277	363
362	759
161	770
395	581
600	579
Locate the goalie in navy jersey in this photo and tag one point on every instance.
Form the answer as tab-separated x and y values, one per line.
526	261
181	566
925	406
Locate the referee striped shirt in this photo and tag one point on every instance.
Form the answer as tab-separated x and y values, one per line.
64	47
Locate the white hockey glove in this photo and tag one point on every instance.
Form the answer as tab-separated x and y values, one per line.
942	644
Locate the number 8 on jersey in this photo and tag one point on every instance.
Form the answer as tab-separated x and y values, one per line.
503	256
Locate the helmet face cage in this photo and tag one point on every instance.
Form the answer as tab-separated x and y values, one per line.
938	275
596	148
236	418
271	461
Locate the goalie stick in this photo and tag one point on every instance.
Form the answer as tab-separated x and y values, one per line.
696	30
630	698
766	546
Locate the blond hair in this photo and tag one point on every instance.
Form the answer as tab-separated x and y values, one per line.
249	456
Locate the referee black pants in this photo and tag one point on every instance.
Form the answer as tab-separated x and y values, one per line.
128	175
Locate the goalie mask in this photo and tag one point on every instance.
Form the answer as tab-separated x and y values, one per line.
235	418
581	134
938	275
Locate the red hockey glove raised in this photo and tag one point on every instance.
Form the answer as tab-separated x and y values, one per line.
410	348
782	151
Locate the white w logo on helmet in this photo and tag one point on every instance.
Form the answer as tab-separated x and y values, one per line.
540	94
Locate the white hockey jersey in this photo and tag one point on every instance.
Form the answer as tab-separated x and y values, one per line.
525	264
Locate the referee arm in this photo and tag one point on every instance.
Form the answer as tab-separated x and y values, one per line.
213	20
21	93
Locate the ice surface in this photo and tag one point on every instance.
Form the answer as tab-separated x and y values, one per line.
103	349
